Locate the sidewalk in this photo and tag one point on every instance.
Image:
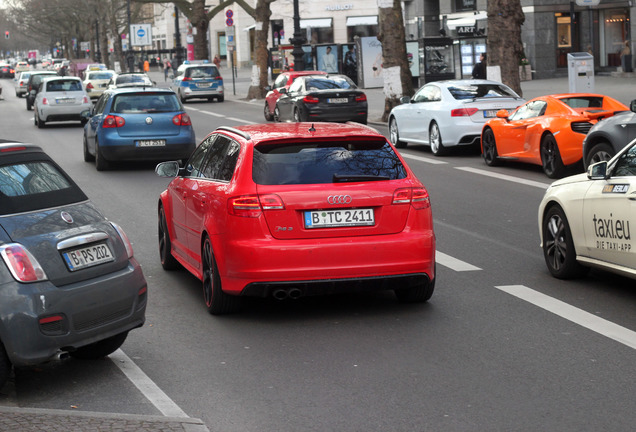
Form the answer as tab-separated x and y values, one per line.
615	86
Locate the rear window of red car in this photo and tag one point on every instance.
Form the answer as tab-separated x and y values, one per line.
325	162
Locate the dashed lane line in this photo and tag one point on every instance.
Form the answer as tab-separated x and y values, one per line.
238	120
423	159
585	319
150	390
505	177
453	263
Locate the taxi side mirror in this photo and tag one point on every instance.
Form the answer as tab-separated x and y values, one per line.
597	171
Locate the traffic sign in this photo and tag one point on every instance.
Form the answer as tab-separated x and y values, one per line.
229	13
140	34
229	22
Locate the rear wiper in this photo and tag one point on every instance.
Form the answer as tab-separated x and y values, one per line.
337	178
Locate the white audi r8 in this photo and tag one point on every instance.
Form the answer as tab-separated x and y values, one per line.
586	220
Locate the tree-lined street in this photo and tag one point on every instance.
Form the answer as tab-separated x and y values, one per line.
500	345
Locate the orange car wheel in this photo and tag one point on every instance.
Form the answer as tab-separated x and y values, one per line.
489	148
551	158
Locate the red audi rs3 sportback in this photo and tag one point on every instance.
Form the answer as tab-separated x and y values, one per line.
288	210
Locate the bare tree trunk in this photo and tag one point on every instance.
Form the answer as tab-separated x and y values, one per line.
395	65
201	22
259	76
505	49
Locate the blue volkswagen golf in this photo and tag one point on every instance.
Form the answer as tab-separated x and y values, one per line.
137	124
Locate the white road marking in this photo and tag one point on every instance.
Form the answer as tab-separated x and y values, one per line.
240	120
505	177
206	112
599	325
423	159
453	263
149	389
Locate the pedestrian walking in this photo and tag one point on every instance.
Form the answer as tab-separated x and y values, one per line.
217	61
167	68
479	71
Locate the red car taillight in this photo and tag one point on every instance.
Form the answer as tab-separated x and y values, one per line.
187	79
311	99
462	112
181	120
361	98
113	121
253	205
417	197
22	265
89	86
44	101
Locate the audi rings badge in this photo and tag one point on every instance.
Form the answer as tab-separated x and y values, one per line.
339	199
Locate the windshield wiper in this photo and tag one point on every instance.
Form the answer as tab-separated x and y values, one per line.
337	178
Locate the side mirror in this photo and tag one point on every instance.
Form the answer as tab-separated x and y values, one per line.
405	99
167	169
597	171
282	90
503	114
86	114
632	105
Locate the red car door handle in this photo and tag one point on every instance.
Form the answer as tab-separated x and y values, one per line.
200	198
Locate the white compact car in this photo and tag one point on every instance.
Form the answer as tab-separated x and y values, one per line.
60	99
449	113
20	83
586	220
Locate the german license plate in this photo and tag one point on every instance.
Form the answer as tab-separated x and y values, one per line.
204	85
339	218
490	113
151	143
65	100
337	100
87	256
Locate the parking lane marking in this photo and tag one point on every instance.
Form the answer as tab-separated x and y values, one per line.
505	177
423	159
147	387
453	263
240	120
206	112
585	319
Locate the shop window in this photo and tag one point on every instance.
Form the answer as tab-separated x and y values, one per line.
564	38
362	26
318	30
614	34
465	5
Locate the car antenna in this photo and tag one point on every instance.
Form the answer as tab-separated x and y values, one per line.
312	128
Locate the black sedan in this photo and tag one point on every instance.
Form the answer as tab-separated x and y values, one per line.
6	71
331	98
608	137
68	278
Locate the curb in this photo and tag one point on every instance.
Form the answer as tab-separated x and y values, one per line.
38	419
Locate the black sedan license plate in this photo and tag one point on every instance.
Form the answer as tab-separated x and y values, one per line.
87	256
337	100
339	218
151	143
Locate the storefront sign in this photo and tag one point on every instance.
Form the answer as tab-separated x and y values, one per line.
343	7
465	30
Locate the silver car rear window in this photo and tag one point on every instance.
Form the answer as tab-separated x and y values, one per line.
474	91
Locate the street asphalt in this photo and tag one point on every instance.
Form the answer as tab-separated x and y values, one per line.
14	418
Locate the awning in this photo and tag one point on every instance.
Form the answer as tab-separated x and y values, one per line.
469	20
248	28
362	20
315	23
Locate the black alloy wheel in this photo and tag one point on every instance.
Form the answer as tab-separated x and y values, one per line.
168	262
217	302
489	148
551	158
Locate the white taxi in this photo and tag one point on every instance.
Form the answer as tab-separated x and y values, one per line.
586	220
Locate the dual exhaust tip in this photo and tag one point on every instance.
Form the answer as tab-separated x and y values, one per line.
291	293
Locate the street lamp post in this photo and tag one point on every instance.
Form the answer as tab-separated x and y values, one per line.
177	37
130	58
298	40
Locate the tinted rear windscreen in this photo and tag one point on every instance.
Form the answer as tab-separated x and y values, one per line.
33	185
145	102
474	91
313	163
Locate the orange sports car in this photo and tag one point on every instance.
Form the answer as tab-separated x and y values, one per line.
547	131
